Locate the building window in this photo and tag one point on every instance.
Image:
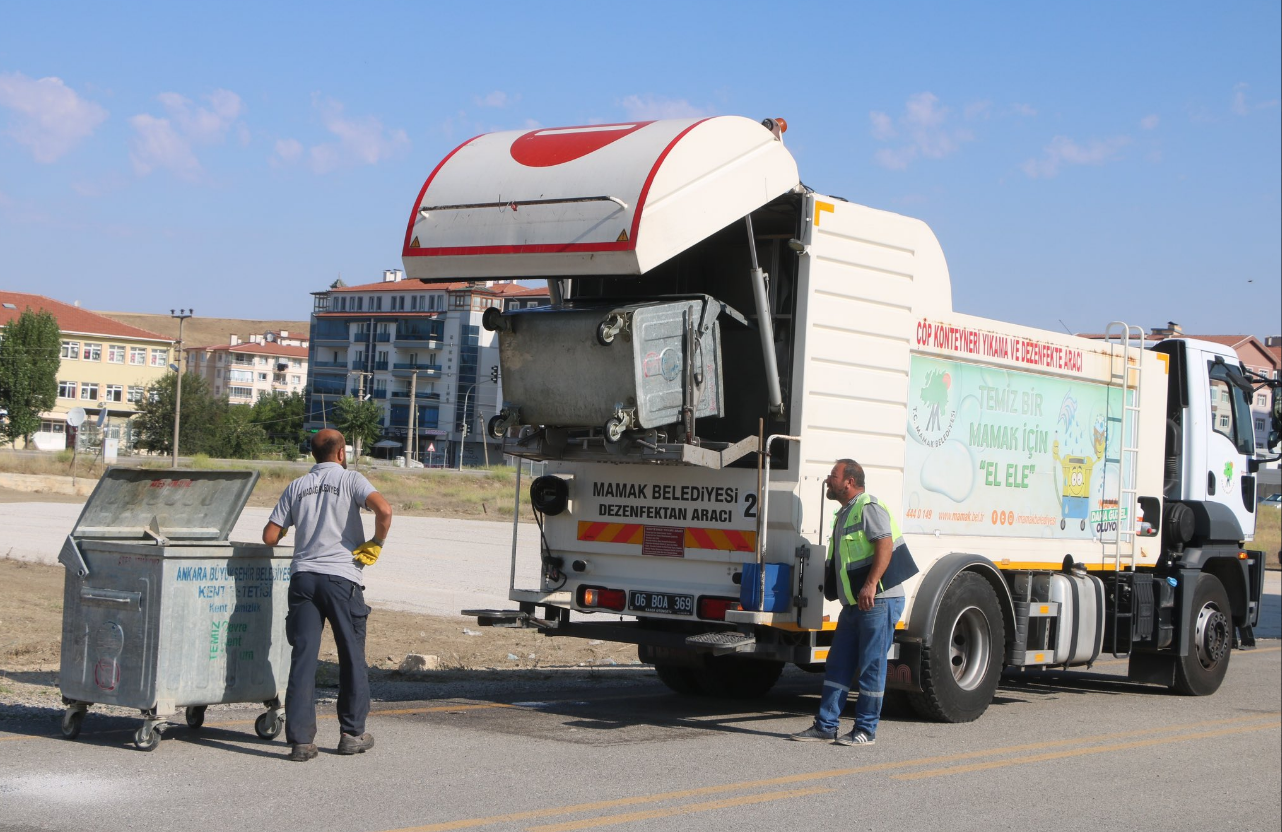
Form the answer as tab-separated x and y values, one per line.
138	356
135	393
240	392
66	389
115	353
159	357
71	350
50	426
262	376
89	391
240	375
359	300
295	380
218	373
91	352
460	301
115	393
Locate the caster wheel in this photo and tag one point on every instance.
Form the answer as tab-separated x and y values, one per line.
195	716
268	725
147	739
604	336
72	721
1061	525
495	426
1083	525
614	431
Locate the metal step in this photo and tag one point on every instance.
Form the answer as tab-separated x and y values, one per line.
722	642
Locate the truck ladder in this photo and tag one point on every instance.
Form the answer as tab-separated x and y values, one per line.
1125	342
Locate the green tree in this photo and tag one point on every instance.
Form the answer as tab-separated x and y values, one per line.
360	421
201	415
281	417
29	359
238	437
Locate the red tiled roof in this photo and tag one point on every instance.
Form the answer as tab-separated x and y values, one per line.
257	349
71	319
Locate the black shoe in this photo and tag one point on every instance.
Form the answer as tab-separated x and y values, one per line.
814	734
857	737
302	752
350	744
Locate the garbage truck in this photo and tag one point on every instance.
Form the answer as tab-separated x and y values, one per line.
719	334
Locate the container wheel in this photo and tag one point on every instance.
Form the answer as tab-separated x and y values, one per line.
195	716
147	738
614	430
72	721
729	677
1210	639
268	725
679	678
496	428
963	664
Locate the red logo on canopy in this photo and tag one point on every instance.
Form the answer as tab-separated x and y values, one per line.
545	148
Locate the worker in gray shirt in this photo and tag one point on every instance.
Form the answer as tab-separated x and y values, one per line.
330	550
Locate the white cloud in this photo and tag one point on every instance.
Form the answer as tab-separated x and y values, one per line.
362	141
649	107
156	144
1241	107
883	126
166	142
287	151
498	98
48	116
1150	122
1026	110
978	110
924	129
1064	151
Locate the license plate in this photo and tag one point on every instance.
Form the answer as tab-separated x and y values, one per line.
661	602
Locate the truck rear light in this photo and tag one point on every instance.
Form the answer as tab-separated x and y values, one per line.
595	596
712	608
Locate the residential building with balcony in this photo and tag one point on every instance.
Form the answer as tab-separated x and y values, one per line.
244	372
105	367
420	352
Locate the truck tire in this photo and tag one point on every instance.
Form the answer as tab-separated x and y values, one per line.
728	677
678	678
963	664
1210	640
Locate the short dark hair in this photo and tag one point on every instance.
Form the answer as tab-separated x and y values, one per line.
853	471
325	446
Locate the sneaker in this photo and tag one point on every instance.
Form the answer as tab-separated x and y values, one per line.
302	752
351	744
814	734
857	737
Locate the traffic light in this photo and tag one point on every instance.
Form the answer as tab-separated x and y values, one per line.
494	373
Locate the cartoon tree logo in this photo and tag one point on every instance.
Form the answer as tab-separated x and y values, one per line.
934	393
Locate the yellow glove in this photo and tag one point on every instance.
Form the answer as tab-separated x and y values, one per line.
368	551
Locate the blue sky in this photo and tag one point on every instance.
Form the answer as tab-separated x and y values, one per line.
1079	162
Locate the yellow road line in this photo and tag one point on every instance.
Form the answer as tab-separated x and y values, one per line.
1082	752
672	811
790	779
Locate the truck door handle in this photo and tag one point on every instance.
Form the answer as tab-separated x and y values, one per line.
1210	482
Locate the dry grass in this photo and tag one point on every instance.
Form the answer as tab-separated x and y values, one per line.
1268	533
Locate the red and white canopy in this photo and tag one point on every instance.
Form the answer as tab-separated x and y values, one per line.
595	200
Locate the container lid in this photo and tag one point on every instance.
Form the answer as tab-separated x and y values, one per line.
174	504
602	199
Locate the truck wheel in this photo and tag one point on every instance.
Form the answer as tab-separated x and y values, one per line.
727	677
1210	639
961	668
678	678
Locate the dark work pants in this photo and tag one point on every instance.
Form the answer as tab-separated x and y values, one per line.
314	599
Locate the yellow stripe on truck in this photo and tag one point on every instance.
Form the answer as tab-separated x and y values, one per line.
722	540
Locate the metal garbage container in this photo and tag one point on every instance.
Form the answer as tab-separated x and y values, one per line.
161	611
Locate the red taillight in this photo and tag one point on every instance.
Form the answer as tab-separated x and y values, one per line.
610	599
714	609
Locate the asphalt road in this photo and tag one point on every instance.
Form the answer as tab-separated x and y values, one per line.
1077	750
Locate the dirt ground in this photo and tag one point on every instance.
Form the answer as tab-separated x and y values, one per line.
31	628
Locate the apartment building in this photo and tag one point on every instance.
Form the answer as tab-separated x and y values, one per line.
419	350
105	367
245	371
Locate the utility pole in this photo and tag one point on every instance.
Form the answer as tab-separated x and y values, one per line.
182	315
463	435
361	398
411	421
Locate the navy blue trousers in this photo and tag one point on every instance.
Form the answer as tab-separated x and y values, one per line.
314	599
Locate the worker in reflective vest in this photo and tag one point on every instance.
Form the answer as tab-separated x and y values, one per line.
866	567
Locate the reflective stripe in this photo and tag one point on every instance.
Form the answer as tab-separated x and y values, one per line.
844	688
875	694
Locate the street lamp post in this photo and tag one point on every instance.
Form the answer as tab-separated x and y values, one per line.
182	315
463	436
